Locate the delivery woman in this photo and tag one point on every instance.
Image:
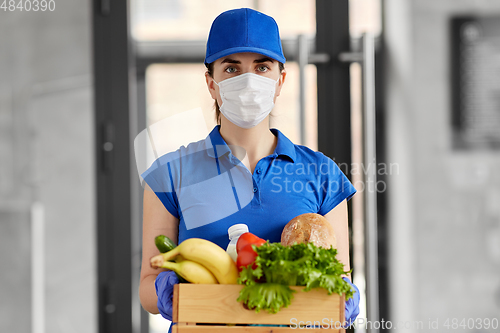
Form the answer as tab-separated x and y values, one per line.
243	172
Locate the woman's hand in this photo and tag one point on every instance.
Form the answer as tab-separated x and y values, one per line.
164	285
352	305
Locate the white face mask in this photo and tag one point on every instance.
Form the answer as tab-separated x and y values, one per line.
247	98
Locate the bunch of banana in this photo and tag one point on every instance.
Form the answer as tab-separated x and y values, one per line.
199	261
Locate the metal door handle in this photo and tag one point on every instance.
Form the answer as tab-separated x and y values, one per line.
370	193
305	55
366	57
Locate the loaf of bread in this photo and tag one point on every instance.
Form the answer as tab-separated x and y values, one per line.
309	228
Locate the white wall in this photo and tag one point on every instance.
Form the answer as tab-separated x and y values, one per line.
444	204
46	156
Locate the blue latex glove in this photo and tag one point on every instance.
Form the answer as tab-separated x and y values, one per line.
352	305
164	285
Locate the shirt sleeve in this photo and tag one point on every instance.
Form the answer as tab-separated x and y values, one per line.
335	187
159	177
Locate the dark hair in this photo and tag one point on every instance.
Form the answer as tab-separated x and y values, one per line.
210	71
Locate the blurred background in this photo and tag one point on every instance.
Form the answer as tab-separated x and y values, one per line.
403	94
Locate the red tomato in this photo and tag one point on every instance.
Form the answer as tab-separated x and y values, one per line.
248	238
246	256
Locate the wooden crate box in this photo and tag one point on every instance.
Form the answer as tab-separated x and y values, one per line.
208	308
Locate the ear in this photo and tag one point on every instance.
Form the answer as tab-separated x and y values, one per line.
211	86
281	82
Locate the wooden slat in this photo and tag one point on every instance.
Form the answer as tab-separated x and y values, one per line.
217	304
342	308
175	304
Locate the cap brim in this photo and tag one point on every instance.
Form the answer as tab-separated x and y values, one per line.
242	49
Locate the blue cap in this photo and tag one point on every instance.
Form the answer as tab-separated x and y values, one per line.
244	30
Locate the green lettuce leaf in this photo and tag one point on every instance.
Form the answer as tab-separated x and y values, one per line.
278	266
266	296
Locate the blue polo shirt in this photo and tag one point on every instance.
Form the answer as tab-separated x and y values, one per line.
208	189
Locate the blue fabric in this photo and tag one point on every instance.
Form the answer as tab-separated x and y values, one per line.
164	285
243	30
209	189
352	305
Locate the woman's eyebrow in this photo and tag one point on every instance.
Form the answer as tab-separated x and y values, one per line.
256	61
263	60
230	61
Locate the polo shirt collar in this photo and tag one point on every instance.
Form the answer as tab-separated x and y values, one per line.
284	147
214	139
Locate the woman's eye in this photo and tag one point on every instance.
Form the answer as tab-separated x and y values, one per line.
230	69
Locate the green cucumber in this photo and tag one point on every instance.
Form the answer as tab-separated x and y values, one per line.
164	245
